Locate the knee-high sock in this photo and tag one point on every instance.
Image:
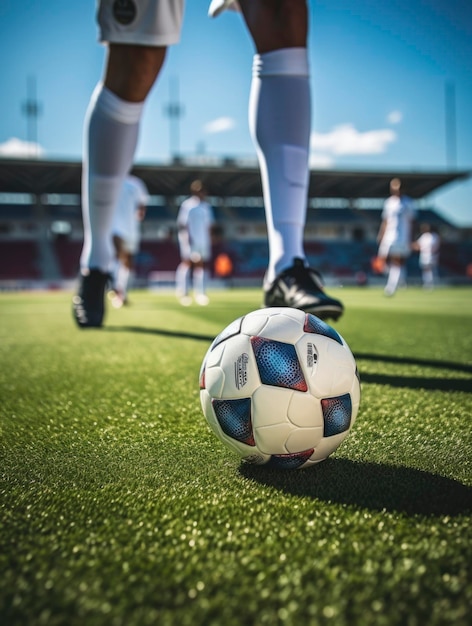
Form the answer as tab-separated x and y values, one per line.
428	277
280	123
395	274
199	277
110	137
182	279
122	278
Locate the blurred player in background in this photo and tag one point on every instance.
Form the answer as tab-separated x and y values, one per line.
126	235
428	245
395	235
194	224
138	33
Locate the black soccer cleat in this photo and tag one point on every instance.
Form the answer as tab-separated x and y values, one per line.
89	302
300	287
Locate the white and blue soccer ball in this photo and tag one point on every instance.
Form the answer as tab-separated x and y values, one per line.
280	387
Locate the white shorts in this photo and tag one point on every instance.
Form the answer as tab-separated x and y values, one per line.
194	251
130	238
140	22
127	228
394	248
129	246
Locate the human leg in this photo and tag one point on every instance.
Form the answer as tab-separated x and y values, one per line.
123	269
182	276
428	276
111	134
395	275
276	24
280	123
280	110
199	283
137	35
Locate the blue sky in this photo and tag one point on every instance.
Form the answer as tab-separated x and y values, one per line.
378	71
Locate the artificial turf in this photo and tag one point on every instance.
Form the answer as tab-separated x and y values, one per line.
119	507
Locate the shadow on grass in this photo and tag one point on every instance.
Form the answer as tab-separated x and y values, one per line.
417	382
370	485
412	382
159	332
402	360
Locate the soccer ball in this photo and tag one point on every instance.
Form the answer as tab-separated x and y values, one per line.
280	387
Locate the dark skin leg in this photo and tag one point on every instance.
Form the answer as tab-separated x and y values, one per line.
132	70
122	253
276	24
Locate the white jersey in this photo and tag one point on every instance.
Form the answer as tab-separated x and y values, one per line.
398	214
194	221
428	244
126	225
141	22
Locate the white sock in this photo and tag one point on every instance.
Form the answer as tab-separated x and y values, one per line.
115	272
394	275
402	278
181	279
280	122
110	138
199	281
122	280
428	278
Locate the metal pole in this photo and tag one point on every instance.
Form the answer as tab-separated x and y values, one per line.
32	110
451	130
174	111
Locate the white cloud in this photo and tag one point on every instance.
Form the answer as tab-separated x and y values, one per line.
220	125
321	161
395	117
345	139
17	148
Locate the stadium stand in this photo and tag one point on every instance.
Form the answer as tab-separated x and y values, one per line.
340	231
68	254
157	256
16	211
19	260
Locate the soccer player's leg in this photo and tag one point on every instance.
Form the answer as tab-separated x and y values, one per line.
280	123
135	58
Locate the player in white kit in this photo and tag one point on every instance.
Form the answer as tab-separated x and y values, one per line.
395	235
428	245
138	33
194	222
126	234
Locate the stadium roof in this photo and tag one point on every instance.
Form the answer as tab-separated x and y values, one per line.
226	179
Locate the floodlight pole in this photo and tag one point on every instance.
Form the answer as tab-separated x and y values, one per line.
174	111
451	130
32	110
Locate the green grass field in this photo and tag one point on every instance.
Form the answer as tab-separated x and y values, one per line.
119	507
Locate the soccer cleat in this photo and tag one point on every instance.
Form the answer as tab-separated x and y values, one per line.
218	6
300	287
89	302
